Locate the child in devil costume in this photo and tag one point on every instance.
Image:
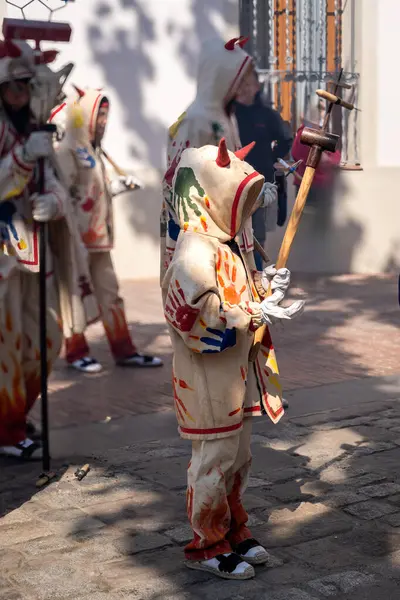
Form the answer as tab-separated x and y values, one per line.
21	210
223	69
209	305
82	161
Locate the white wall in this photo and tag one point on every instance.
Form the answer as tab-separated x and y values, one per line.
144	53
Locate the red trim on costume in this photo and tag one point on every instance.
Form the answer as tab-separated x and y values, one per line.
57	110
252	409
246	60
238	194
213	430
91	132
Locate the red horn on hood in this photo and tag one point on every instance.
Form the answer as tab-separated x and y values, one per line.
231	44
243	41
79	91
46	57
223	159
243	152
9	49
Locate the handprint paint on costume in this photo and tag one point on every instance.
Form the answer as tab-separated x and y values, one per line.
181	199
190	321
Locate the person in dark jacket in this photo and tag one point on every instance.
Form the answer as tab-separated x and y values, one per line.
262	124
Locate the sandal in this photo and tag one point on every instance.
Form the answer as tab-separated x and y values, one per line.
25	450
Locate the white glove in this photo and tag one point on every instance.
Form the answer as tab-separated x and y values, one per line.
45	207
279	282
124	183
268	195
38	145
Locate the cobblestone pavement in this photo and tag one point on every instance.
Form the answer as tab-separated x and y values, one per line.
351	329
324	498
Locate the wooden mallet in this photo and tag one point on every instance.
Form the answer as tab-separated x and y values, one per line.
319	140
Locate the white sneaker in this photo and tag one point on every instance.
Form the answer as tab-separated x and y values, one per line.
25	450
86	365
140	360
252	552
227	566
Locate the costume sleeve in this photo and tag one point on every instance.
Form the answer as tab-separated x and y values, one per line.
194	307
15	171
54	186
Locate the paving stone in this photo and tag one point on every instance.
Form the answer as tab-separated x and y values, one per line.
10	560
138	543
322	554
12	534
300	523
288	594
370	510
181	534
343	498
381	490
284	475
392	520
290	492
44	545
8	593
256	482
323	447
366	479
230	590
394	499
52	580
366	420
345	582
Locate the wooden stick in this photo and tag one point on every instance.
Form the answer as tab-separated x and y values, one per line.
114	165
286	245
260	249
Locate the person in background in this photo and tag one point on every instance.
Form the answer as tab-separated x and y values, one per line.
81	159
262	124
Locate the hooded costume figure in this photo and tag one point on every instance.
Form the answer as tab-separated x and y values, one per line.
82	162
208	297
206	121
20	210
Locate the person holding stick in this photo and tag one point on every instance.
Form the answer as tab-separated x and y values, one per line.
81	158
224	69
213	311
22	209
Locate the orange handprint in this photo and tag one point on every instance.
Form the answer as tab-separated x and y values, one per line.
230	291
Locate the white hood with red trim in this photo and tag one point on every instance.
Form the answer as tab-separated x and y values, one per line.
214	192
80	114
221	68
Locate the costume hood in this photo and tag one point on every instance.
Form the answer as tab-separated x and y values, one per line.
221	69
79	115
215	191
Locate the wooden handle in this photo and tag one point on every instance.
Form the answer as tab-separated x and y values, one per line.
114	165
334	99
286	245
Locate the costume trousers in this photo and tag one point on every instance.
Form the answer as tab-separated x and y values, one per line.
112	310
217	478
20	349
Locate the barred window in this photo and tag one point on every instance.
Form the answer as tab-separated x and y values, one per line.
298	48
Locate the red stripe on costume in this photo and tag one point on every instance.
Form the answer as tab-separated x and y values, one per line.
234	412
91	131
24	166
252	409
214	430
238	194
57	110
238	74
